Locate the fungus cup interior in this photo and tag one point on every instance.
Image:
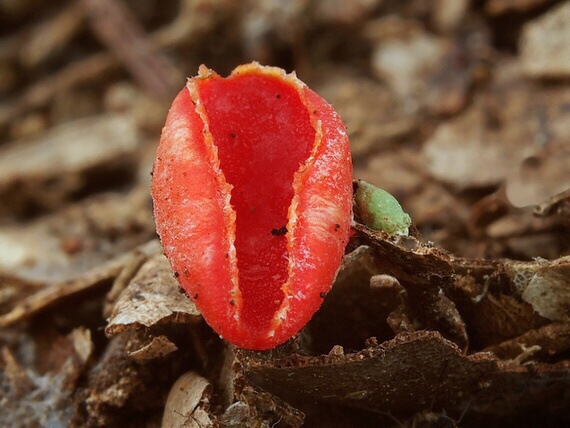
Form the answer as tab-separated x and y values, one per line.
263	134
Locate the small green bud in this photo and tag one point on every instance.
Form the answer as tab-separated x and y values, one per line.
380	210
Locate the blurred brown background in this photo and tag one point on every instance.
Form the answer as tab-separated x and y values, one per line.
460	108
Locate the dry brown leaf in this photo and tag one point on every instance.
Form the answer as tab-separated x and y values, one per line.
33	398
457	296
158	347
429	73
363	308
344	11
54	293
545	285
51	36
47	170
516	133
545	51
373	115
65	244
448	15
152	297
406	56
557	205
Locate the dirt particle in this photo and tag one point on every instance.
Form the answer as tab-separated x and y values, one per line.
280	231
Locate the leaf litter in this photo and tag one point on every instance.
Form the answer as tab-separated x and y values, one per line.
449	324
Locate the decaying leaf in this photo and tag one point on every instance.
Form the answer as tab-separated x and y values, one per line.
374	116
544	44
473	300
558	204
31	398
364	307
518	133
267	407
152	297
64	245
158	347
46	171
545	285
50	294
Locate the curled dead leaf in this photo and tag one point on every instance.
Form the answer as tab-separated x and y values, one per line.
545	285
187	403
152	297
158	347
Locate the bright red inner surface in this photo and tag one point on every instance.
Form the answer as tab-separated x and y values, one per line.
263	134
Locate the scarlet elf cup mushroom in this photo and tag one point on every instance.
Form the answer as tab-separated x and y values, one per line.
252	191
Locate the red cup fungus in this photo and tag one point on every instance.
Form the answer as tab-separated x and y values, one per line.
252	191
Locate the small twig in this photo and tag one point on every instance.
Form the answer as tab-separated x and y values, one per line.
119	29
52	35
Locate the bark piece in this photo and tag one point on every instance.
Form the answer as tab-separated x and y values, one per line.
551	340
381	378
